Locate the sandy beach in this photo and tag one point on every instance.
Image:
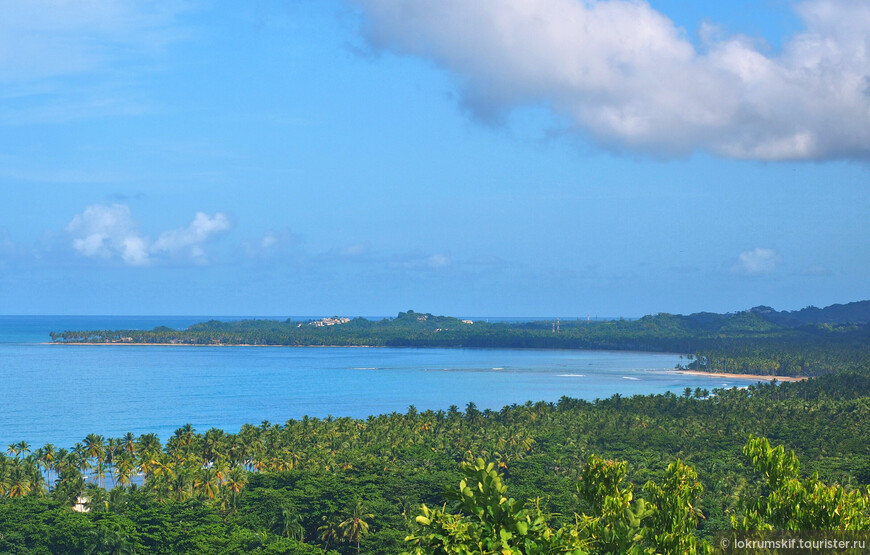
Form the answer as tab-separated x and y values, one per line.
743	376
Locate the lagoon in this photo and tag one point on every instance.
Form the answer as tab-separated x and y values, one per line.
59	394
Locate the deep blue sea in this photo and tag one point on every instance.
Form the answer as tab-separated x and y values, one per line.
59	394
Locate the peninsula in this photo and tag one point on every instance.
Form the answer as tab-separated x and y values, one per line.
759	341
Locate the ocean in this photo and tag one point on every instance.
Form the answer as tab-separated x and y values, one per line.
58	394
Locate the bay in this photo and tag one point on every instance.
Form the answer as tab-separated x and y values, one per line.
59	394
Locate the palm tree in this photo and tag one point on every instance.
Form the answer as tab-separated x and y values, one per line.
79	457
5	465
354	526
236	480
182	483
38	485
149	451
18	481
95	449
69	484
45	458
185	434
97	498
24	448
13	449
113	447
148	443
124	468
328	532
106	540
206	482
117	499
211	445
288	524
179	445
128	443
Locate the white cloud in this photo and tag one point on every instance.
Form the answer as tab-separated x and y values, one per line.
188	241
419	261
357	250
110	232
627	76
438	261
757	262
107	231
268	241
271	243
816	270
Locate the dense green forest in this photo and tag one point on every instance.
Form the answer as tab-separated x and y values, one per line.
756	341
659	473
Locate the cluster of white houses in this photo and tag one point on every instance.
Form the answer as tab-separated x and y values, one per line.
334	321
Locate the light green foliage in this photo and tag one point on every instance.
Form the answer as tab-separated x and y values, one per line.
664	523
675	515
483	520
795	504
616	523
487	522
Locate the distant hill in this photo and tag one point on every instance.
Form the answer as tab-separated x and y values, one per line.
849	313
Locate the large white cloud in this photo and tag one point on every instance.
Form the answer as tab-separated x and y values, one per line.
624	74
110	232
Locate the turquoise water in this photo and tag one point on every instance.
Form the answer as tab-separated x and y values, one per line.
59	394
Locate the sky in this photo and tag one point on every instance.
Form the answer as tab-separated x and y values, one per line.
463	157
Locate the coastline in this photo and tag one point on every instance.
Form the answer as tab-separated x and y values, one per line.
727	375
131	344
758	377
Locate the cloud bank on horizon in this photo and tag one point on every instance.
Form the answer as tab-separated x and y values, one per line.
628	77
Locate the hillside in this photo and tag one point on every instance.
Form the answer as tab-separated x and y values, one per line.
850	313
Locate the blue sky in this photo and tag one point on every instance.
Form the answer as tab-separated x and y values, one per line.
511	157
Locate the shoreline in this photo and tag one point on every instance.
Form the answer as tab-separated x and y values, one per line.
127	343
759	377
727	375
